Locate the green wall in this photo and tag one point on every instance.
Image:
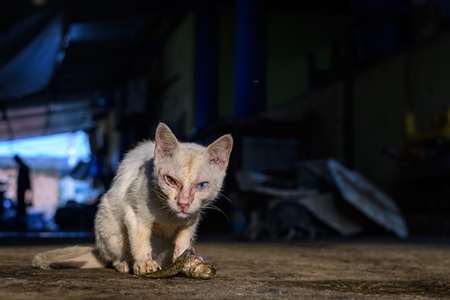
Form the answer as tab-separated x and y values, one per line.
291	36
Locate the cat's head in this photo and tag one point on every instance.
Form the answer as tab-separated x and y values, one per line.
189	176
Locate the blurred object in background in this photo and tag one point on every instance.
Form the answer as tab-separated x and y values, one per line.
341	200
23	186
423	162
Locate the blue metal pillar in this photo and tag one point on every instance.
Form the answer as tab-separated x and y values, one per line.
249	90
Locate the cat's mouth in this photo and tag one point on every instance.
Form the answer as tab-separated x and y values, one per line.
181	211
183	214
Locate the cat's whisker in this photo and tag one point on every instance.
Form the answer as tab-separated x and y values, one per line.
157	192
167	212
161	195
213	207
169	215
229	200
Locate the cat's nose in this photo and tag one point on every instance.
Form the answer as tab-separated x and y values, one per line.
183	206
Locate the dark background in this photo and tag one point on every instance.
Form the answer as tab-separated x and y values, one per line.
364	82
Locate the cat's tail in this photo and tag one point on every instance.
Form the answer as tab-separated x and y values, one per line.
68	258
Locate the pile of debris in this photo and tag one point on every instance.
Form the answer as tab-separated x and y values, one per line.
324	197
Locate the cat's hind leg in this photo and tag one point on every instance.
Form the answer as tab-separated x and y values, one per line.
113	248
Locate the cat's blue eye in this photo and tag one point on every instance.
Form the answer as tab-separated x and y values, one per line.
202	185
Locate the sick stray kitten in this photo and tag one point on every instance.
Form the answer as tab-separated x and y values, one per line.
149	215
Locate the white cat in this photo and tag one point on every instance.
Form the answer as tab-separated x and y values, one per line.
151	212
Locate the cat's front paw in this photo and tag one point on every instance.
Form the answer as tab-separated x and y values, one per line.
121	266
145	266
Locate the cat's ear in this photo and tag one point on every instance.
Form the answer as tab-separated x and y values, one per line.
219	151
166	144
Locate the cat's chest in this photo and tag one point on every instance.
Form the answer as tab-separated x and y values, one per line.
164	229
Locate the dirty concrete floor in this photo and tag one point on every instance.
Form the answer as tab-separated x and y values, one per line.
327	269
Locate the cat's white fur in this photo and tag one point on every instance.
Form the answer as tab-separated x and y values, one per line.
151	212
